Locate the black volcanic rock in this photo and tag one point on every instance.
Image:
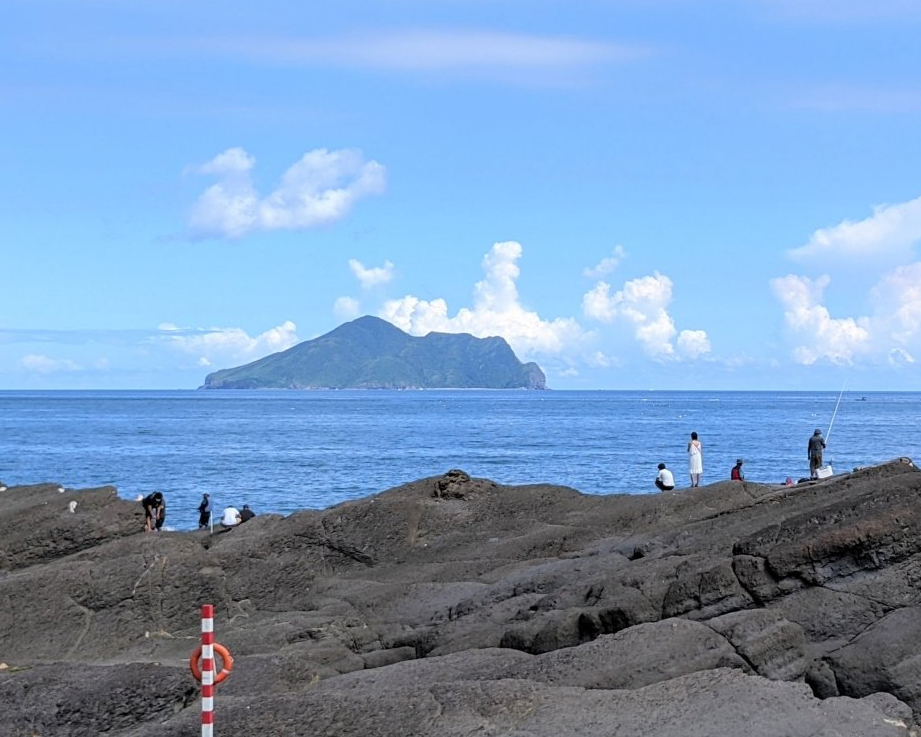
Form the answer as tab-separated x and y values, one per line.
370	353
457	606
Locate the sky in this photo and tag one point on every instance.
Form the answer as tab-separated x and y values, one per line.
635	194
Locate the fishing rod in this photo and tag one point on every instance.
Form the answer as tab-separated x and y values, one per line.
828	434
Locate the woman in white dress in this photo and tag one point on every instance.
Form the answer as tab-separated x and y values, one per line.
695	460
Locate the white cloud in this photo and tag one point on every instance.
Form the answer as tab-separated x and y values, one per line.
606	265
220	345
598	304
599	359
642	303
233	162
319	189
851	98
347	308
42	364
890	334
899	357
820	336
897	299
891	231
428	49
369	277
497	311
693	343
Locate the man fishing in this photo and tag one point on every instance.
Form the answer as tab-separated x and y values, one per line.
814	450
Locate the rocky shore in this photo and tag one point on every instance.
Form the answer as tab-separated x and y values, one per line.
457	606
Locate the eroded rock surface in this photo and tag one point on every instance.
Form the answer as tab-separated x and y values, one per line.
456	606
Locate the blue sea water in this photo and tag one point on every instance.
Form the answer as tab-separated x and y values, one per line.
280	451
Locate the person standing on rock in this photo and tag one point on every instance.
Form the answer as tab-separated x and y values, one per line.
814	450
695	460
154	511
204	511
665	481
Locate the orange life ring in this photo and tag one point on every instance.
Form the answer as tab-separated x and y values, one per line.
226	663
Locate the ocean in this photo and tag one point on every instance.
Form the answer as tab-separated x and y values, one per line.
281	451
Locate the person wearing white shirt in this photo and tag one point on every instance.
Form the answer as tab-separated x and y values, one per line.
231	517
664	480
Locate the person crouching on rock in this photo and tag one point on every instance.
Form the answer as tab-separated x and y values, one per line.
230	518
664	480
154	511
161	515
736	473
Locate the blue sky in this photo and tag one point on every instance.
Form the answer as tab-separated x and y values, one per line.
660	194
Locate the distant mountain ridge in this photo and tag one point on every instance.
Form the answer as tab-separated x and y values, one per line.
371	353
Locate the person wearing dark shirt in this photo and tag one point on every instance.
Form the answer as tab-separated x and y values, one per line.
814	450
247	513
154	511
736	473
204	511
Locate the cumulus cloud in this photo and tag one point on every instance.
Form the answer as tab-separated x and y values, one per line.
693	343
891	333
318	190
220	345
899	357
643	303
606	265
891	231
820	336
42	364
347	308
369	277
496	311
599	359
897	300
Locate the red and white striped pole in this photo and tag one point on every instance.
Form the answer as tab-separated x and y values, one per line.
207	670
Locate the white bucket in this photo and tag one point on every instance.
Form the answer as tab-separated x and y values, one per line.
823	472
